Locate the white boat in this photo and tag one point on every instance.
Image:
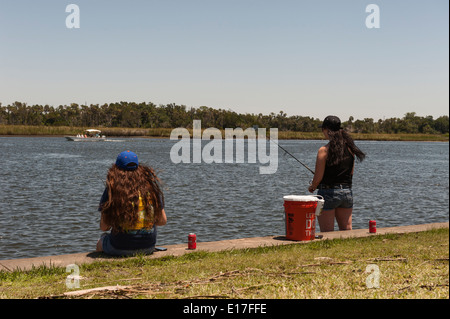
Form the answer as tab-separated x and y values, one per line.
90	135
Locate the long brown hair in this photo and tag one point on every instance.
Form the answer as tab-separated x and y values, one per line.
124	188
340	141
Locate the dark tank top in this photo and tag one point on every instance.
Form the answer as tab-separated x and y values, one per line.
340	173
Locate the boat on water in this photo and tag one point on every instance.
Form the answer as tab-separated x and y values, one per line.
90	135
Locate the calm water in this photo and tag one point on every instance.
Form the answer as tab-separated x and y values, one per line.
50	189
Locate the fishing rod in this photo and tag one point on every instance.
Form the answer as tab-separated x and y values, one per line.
291	155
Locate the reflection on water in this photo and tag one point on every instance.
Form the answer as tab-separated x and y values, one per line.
50	189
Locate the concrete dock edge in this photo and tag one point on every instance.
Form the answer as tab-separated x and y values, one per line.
181	249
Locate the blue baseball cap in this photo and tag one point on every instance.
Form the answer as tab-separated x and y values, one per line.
127	160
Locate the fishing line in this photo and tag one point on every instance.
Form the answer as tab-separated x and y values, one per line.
270	140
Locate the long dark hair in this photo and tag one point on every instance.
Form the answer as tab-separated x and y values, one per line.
340	141
124	188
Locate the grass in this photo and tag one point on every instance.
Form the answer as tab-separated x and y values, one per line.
28	130
413	265
401	137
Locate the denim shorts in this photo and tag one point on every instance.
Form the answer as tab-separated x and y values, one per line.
336	198
109	249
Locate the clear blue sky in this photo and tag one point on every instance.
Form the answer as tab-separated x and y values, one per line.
311	58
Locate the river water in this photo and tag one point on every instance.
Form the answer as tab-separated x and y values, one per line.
50	189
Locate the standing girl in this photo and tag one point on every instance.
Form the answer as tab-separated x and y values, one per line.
131	207
333	175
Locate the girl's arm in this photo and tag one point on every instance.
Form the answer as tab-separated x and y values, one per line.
320	168
162	220
103	225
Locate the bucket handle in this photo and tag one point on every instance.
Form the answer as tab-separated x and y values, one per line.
320	197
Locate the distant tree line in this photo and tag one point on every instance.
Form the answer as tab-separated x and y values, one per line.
149	115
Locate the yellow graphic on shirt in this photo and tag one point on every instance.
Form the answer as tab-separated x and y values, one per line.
145	220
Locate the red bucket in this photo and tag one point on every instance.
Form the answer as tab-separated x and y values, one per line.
300	217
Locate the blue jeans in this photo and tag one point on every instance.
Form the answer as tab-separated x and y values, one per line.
109	249
336	198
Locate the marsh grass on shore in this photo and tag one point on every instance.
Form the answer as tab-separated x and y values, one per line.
413	265
28	130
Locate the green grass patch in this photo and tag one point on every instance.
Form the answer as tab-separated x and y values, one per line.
411	265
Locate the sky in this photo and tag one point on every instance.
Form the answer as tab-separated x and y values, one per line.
309	58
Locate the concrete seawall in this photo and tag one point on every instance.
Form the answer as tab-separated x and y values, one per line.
181	249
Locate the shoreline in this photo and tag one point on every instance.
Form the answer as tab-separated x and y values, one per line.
118	132
23	264
400	262
391	138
